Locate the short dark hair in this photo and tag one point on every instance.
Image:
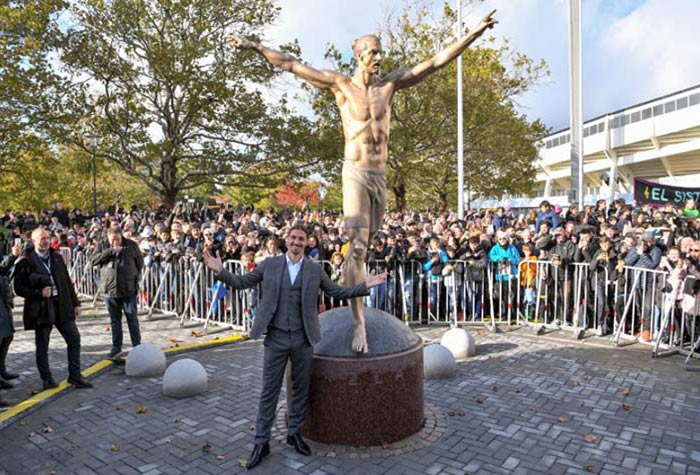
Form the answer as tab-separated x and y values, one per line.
299	227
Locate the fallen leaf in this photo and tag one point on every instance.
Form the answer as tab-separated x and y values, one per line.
220	457
626	407
590	438
572	383
479	400
585	377
53	472
114	447
31	434
518	391
460	413
626	392
172	340
35	392
176	420
141	409
46	429
206	447
242	462
196	334
385	445
108	329
562	419
494	388
588	468
451	413
252	427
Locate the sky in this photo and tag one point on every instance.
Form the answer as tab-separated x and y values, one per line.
633	50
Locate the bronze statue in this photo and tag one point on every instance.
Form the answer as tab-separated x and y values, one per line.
365	102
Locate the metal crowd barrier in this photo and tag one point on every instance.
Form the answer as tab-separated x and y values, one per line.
576	296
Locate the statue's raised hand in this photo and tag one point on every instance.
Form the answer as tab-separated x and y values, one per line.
487	22
240	43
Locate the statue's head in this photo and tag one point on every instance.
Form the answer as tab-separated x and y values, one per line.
368	53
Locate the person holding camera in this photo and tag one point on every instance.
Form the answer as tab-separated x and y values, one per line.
120	269
602	268
437	258
475	273
645	255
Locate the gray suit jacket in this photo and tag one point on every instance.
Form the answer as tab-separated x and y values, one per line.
270	272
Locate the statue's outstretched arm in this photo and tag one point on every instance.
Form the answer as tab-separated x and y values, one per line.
320	78
407	77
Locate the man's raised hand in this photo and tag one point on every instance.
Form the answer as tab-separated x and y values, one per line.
213	263
375	280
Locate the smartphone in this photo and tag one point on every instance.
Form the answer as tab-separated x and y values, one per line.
18	241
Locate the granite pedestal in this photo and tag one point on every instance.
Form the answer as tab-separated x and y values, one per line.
365	399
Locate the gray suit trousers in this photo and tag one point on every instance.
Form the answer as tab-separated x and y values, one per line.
280	346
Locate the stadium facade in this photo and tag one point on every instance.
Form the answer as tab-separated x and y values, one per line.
658	140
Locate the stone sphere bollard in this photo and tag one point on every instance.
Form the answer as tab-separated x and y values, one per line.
438	362
185	378
460	342
145	360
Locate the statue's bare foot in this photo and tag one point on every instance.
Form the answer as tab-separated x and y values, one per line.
359	339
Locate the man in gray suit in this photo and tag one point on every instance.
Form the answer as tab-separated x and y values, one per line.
288	314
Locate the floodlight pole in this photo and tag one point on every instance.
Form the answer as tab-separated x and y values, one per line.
460	125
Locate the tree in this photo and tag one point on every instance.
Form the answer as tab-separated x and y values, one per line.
174	105
499	142
28	39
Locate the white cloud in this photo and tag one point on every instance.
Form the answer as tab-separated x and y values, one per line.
655	48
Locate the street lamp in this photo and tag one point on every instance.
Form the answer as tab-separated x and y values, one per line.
92	140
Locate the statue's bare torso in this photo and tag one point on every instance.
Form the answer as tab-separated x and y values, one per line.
365	114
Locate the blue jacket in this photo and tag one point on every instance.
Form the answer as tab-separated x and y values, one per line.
497	254
428	265
550	216
499	222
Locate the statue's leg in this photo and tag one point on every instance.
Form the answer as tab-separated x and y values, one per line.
355	274
356	212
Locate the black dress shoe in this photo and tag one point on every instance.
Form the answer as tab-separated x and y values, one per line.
5	385
6	375
114	352
50	383
259	451
298	443
79	383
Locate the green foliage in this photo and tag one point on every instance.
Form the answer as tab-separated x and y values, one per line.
173	104
28	38
47	177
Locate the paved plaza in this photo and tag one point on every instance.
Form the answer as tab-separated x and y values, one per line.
523	404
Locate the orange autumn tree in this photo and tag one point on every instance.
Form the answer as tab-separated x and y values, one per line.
298	195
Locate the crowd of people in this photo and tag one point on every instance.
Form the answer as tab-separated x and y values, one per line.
442	250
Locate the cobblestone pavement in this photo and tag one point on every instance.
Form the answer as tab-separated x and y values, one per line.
524	404
96	341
